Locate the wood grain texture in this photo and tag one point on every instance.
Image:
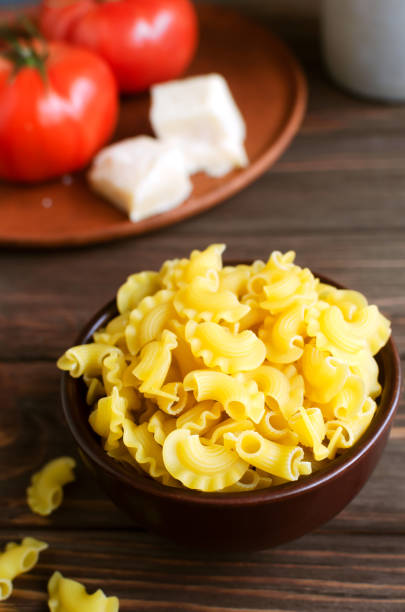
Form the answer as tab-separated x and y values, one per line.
148	574
337	198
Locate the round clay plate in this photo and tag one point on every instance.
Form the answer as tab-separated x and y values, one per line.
270	90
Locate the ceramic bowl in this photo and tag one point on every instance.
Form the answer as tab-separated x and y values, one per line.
234	521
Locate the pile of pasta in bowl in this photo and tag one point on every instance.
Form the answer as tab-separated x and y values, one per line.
231	378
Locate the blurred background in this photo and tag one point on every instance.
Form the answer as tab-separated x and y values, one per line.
263	6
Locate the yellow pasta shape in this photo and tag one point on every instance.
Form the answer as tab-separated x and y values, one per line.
229	426
283	285
136	287
154	365
112	371
143	447
17	559
348	403
240	399
283	335
274	426
45	493
367	320
203	300
289	289
254	317
271	457
264	274
310	427
148	320
350	430
371	324
95	389
332	333
155	322
281	262
170	272
348	301
258	366
67	595
273	383
160	425
280	292
324	375
182	355
296	392
220	348
108	417
335	434
365	366
201	262
178	272
256	284
201	417
250	481
176	398
234	278
368	329
85	359
202	467
114	374
114	333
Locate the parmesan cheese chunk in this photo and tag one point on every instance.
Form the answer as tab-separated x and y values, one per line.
142	176
199	115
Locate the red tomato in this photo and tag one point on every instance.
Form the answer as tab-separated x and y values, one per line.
53	122
144	41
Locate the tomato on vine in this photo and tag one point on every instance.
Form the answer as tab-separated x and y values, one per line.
144	41
58	106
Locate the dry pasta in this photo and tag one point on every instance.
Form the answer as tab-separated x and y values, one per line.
231	378
17	559
45	493
67	595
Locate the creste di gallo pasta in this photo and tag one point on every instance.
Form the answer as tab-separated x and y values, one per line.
18	559
66	595
231	378
45	493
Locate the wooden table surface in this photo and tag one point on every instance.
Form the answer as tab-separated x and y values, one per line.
337	198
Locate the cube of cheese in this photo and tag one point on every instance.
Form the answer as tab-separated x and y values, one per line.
201	117
142	176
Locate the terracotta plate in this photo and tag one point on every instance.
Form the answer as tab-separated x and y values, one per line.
270	90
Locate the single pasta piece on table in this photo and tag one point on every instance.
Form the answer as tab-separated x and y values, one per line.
46	491
67	595
17	559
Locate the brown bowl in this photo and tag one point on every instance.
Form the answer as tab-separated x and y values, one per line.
234	521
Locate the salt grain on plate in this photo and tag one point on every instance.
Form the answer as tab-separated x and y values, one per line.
47	202
67	180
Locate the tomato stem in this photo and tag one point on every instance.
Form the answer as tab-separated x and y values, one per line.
20	46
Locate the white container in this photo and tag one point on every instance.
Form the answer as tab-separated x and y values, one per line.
364	46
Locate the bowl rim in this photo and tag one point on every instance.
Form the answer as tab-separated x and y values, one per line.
91	447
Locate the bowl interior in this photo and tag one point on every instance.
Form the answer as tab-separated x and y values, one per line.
77	412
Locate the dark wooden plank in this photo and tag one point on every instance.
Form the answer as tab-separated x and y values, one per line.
317	572
32	431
